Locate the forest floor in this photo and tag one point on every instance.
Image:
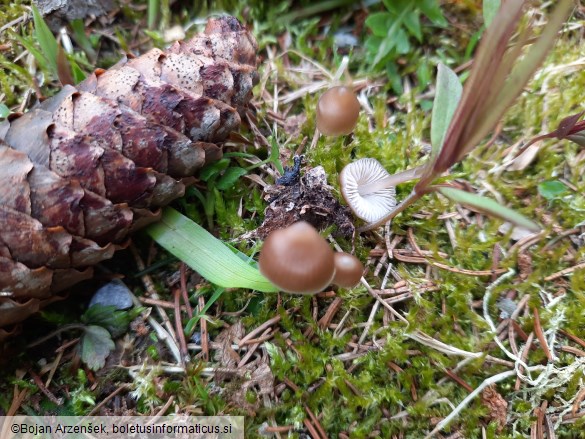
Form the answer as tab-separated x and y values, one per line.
453	304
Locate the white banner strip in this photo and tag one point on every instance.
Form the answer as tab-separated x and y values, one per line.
114	427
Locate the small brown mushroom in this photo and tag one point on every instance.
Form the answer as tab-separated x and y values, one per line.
337	111
348	270
297	259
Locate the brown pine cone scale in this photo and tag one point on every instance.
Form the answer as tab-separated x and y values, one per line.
95	162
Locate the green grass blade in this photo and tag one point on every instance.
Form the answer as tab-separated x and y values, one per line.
192	323
81	38
28	44
78	74
489	206
153	10
314	9
46	39
275	155
447	97
205	254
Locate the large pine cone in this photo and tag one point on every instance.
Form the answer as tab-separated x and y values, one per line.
95	162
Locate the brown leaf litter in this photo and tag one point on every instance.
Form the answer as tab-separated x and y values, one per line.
254	376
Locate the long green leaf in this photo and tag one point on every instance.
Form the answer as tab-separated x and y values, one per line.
447	97
46	39
81	38
30	46
489	207
78	74
205	254
314	8
229	178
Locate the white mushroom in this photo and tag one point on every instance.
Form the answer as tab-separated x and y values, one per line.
369	190
374	204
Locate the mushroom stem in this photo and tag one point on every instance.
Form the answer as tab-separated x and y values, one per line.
391	180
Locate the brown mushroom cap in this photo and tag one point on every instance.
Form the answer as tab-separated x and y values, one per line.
297	259
348	270
337	111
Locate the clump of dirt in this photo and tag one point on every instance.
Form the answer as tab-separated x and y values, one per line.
304	198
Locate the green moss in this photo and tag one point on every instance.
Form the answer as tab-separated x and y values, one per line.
15	79
398	146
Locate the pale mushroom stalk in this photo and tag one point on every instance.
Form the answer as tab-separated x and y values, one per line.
392	180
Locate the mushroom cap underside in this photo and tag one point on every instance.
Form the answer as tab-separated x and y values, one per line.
371	206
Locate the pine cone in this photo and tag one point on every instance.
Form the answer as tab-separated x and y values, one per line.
95	162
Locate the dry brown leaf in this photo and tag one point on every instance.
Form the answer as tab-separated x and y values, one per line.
525	159
496	405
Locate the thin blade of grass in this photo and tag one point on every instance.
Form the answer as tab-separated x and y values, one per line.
81	39
447	97
153	10
46	39
78	74
192	323
489	207
314	9
205	254
30	46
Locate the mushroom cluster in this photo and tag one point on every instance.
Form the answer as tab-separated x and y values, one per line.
298	260
365	184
